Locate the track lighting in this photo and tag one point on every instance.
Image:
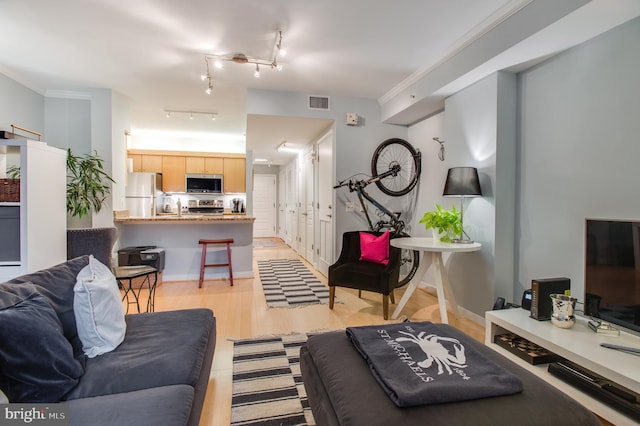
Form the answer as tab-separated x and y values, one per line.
281	51
192	115
241	58
207	77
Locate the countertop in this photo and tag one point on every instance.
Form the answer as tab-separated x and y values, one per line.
123	217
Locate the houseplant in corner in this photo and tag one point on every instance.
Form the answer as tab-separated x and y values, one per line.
445	224
88	185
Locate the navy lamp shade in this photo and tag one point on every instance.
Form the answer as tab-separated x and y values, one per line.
462	182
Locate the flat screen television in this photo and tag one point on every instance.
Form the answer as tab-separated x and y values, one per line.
612	272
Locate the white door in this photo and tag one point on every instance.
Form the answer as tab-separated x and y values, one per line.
282	203
291	223
301	239
325	203
307	208
264	206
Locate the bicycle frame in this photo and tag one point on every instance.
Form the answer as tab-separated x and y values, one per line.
394	218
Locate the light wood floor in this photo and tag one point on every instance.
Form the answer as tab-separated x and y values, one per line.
241	312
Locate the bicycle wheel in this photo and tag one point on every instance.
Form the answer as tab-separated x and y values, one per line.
389	155
409	261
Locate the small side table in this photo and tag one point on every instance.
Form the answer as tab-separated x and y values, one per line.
125	276
431	251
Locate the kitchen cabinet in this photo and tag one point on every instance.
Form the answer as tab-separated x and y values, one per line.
234	175
137	162
149	164
207	165
175	164
173	171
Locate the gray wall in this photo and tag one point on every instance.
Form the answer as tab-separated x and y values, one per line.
554	145
68	123
479	130
354	145
20	106
579	152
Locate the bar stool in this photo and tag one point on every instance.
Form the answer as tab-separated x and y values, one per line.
203	261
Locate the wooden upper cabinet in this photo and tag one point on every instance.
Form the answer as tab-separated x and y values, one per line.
194	164
206	165
175	164
214	165
234	175
137	162
149	163
173	171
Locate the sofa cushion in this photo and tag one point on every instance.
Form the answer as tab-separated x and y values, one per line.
159	349
167	405
36	360
98	309
56	285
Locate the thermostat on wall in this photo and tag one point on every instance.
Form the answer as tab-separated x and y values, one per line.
351	119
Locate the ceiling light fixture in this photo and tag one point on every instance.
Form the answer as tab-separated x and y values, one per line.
241	58
284	146
190	114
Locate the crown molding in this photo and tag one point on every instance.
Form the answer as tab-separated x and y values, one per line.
68	94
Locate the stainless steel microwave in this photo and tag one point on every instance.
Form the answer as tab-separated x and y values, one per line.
205	184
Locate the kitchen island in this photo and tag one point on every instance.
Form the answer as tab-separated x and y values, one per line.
179	235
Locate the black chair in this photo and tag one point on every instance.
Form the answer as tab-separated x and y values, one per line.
349	271
96	241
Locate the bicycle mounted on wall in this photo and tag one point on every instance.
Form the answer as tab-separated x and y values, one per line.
395	169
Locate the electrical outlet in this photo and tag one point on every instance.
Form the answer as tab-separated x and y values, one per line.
350	207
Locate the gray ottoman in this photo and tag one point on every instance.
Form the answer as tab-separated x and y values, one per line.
342	391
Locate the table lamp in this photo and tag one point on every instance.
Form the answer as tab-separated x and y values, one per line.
462	182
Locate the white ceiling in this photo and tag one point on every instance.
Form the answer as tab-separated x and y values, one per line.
152	52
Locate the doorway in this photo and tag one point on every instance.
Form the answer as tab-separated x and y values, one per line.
264	206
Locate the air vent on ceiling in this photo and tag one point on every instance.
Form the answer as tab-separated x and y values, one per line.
319	102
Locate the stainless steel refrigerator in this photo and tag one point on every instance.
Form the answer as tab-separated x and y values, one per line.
144	194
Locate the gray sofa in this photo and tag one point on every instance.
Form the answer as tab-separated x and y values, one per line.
157	376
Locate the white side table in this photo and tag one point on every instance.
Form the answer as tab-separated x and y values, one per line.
431	254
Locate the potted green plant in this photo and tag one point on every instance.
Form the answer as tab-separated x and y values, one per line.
444	223
13	172
87	185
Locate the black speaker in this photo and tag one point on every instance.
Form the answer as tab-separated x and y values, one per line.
541	307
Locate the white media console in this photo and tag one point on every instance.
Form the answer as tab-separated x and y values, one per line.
579	345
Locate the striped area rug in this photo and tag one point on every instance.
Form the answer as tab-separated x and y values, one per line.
287	283
267	384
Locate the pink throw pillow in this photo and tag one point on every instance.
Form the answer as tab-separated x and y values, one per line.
374	249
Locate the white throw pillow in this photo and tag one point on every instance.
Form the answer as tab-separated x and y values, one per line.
98	309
